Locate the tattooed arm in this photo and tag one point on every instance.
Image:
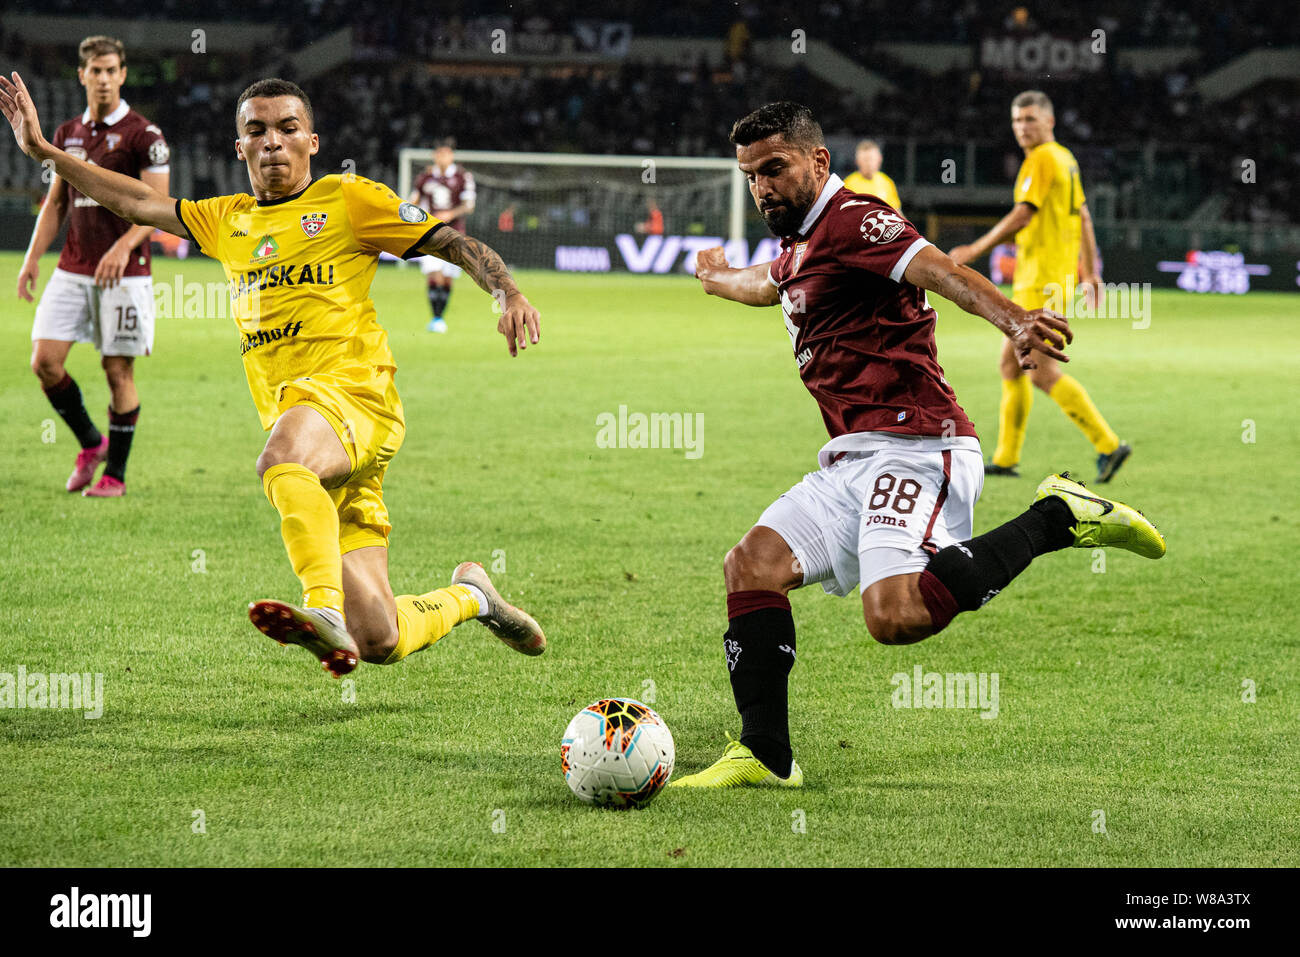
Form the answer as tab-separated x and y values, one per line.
519	320
1037	329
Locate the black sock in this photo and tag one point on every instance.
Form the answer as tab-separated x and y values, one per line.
438	296
976	570
760	653
65	396
121	429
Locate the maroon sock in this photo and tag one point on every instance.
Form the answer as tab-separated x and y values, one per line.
938	601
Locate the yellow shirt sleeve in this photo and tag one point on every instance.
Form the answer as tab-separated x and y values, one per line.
383	221
1035	178
203	219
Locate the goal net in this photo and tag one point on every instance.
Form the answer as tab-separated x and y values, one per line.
590	213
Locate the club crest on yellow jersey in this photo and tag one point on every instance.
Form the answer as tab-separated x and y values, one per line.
313	223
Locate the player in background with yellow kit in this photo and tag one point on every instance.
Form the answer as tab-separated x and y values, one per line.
1052	227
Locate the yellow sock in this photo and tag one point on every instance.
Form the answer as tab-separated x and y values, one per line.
309	525
1074	402
1013	417
423	619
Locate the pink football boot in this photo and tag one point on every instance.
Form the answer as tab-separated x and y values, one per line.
106	487
87	461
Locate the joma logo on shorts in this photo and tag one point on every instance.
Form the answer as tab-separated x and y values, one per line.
886	520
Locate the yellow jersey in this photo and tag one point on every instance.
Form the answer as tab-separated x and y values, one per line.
300	270
1047	250
879	185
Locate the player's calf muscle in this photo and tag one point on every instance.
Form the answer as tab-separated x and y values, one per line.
894	611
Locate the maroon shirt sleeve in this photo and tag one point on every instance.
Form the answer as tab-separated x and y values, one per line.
150	147
873	236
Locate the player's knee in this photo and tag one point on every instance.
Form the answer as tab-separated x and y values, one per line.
1044	379
49	371
270	458
744	569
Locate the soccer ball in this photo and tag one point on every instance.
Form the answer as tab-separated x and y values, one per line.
617	753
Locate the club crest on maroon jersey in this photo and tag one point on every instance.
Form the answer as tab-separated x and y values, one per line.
111	140
798	256
313	223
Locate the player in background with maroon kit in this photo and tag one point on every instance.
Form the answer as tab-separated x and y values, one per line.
445	189
891	510
102	290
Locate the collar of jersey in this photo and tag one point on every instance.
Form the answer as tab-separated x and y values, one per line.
287	199
123	108
833	186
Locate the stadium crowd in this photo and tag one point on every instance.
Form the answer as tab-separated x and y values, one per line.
390	98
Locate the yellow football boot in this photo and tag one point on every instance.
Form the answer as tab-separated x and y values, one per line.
1103	522
739	768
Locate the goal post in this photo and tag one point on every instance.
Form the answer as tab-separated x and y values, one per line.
597	213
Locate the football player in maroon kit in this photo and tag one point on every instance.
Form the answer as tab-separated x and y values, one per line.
445	189
101	290
891	509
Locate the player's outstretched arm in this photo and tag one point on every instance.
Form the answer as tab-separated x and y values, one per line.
520	322
749	285
1039	329
124	196
1007	226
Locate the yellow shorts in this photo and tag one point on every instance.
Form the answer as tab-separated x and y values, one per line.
367	417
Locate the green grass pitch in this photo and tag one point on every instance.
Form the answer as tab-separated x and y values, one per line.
1121	691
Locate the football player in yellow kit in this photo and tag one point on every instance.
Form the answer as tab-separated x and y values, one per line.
300	254
1052	226
869	178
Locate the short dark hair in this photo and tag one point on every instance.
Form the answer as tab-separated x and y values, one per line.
792	121
276	87
92	47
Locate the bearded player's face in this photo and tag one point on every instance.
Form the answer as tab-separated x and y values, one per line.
783	179
277	143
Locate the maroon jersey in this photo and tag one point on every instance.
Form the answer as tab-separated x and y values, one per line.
442	190
124	142
864	338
